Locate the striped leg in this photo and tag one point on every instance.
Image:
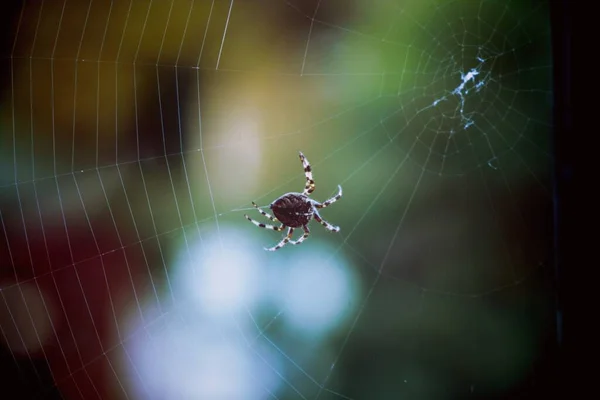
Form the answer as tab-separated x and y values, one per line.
326	224
310	183
331	200
272	218
283	242
266	226
303	237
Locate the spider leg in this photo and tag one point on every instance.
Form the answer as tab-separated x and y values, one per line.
266	226
326	224
332	200
283	242
272	218
303	237
310	183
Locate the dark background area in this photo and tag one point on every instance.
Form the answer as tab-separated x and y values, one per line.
18	377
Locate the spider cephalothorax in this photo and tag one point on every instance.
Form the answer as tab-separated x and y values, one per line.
295	210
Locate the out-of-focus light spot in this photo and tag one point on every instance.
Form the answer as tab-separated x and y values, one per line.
26	318
220	279
187	360
225	281
237	156
318	293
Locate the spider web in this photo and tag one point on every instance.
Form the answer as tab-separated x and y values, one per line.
136	134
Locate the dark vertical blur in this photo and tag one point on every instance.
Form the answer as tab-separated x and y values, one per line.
564	196
20	379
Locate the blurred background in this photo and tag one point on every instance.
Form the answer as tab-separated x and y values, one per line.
134	135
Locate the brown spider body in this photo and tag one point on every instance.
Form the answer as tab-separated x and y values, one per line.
293	210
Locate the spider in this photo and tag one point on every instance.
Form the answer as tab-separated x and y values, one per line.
295	210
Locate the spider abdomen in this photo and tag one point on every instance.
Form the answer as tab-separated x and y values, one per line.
293	209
